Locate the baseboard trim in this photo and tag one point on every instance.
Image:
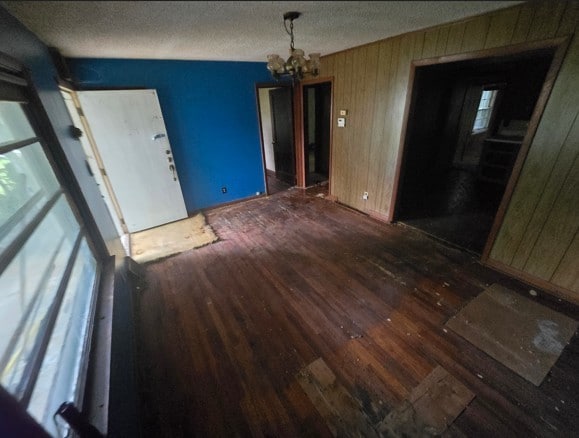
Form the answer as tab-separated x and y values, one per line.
379	216
549	287
226	204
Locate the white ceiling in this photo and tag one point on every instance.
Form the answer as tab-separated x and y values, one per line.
238	31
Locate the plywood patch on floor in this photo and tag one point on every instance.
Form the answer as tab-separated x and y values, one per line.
430	408
428	411
170	239
523	335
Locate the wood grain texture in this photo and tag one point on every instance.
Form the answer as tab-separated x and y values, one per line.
558	230
523	23
569	19
501	28
545	211
224	330
377	139
475	34
546	20
342	412
567	273
546	167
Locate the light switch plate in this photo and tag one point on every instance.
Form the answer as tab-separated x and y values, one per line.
343	112
341	122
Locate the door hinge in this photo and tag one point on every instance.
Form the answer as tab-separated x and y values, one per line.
103	171
122	221
79	111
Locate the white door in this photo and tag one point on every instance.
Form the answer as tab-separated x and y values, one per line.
130	134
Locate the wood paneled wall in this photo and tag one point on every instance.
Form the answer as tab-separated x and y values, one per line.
539	236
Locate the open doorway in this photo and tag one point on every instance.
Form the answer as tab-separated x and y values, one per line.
466	125
275	110
317	101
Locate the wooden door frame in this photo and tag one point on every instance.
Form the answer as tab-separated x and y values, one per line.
258	86
299	133
560	45
65	88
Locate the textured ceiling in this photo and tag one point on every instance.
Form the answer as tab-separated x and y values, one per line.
238	31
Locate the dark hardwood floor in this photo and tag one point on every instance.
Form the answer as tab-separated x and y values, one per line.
224	330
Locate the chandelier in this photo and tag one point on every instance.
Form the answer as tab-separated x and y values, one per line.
296	66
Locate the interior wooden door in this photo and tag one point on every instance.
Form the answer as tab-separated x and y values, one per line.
283	134
130	134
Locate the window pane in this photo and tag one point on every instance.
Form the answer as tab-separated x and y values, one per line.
60	371
26	183
484	111
28	287
14	125
45	292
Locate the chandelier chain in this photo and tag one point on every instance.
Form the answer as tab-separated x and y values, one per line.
290	32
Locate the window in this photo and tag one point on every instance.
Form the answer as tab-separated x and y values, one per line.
485	109
48	273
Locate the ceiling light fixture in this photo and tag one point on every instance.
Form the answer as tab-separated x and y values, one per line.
296	66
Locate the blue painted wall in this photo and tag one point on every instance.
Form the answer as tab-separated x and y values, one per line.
210	112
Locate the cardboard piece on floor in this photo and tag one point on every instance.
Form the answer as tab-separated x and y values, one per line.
523	335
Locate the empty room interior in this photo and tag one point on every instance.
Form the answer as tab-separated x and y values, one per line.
289	219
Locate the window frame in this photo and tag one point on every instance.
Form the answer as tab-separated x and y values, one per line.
491	108
16	84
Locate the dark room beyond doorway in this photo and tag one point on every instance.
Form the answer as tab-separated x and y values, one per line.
466	125
277	136
317	120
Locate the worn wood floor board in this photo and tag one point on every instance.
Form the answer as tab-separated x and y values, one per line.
224	330
343	414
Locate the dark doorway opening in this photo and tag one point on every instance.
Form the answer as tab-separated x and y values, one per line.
275	108
466	125
317	100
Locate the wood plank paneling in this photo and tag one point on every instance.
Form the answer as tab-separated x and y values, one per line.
441	41
559	229
365	153
383	81
397	110
356	153
370	98
523	24
550	195
454	43
569	19
567	273
429	45
501	30
419	44
475	34
546	20
553	130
